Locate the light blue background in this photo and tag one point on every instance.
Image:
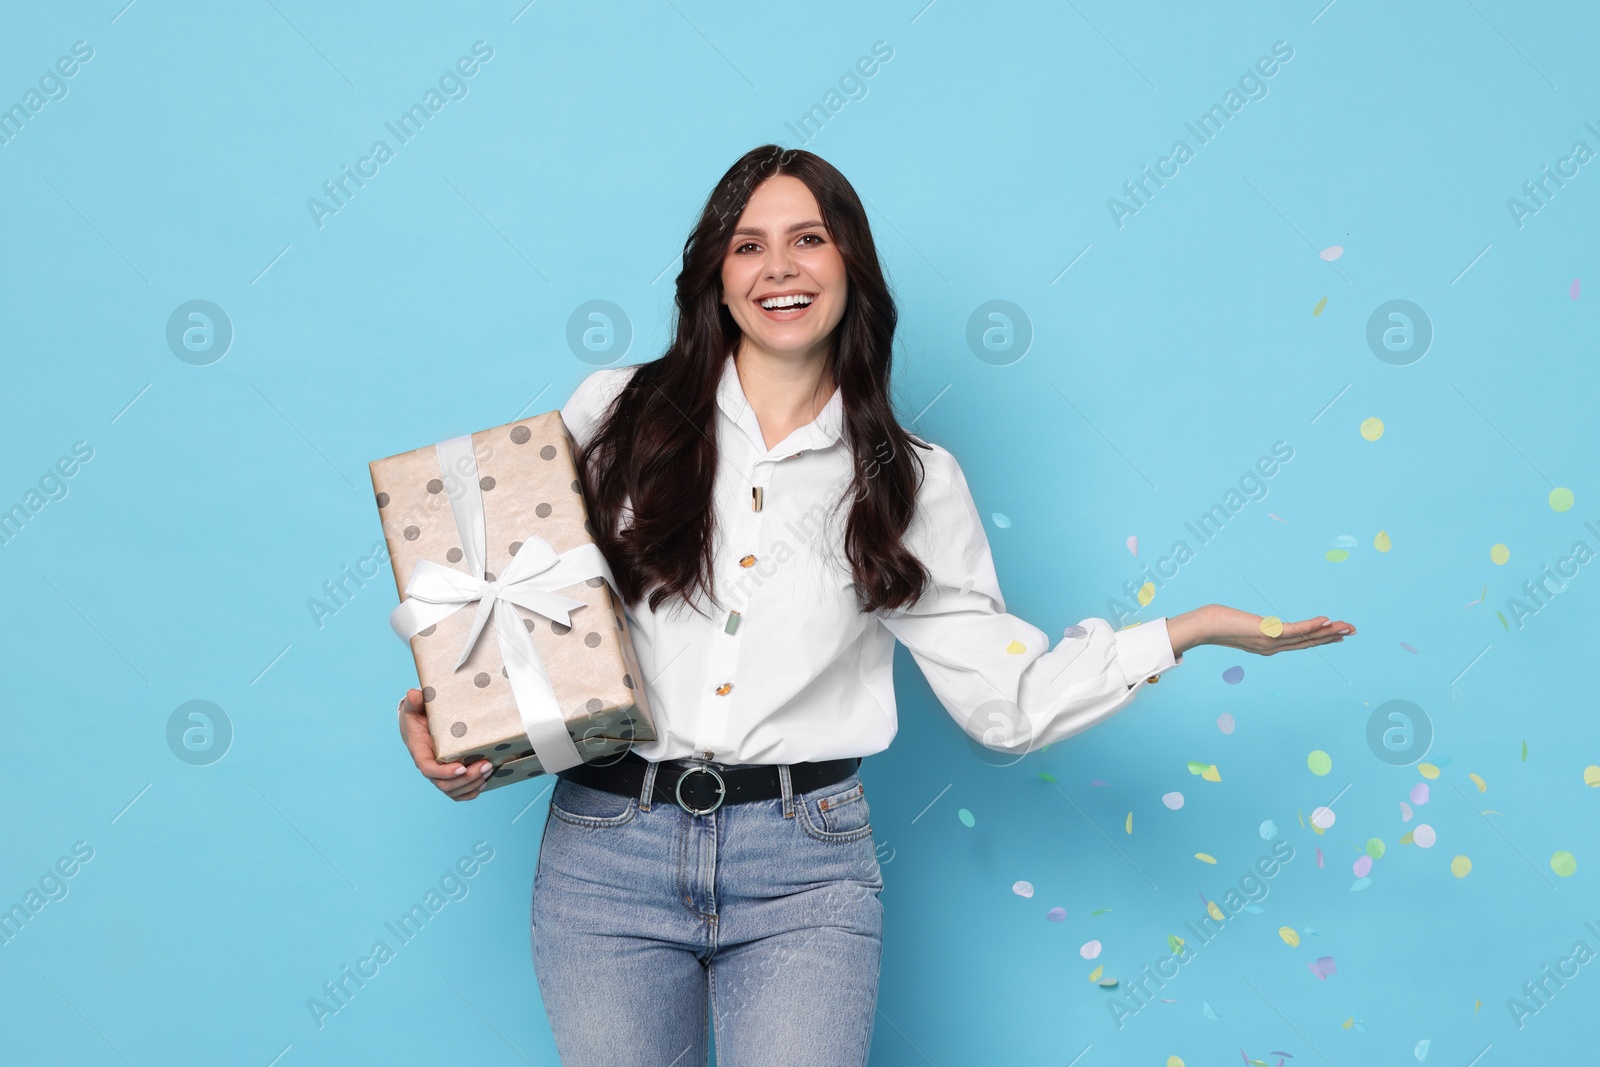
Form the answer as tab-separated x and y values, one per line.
1175	351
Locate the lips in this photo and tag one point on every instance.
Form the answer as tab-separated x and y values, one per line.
789	313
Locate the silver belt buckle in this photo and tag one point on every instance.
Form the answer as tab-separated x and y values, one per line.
722	789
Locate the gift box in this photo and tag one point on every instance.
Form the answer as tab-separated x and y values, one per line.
523	650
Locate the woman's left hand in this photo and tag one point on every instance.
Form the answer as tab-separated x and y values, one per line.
1218	624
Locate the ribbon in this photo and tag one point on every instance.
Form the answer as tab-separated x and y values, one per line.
435	592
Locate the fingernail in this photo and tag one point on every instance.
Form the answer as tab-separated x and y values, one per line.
487	767
1347	630
1328	623
460	771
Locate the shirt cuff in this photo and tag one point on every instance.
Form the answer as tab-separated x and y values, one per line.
1145	651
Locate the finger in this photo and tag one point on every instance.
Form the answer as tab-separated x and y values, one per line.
468	785
1297	629
419	742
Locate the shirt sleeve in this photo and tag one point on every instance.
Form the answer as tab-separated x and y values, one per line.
974	654
591	399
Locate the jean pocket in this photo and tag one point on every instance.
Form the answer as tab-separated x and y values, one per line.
583	805
838	812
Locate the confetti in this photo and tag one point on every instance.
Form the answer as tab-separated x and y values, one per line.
1047	776
1405	812
1133	544
1147	593
1322	818
965	816
1320	305
1174	1061
1056	915
1591	774
1216	912
1172	800
1362	866
1323	967
1290	935
1372	428
1419	793
1274	515
1500	554
1506	626
1094	975
1002	521
1022	889
1211	774
1332	252
1203	858
1225	722
1272	626
1108	983
1461	866
1428	770
1099	911
1573	291
1564	863
1098	782
1089	951
1208	1011
1336	555
1359	884
1016	648
1524	752
1375	847
1479	782
1319	858
1233	675
1128	826
1381	541
1561	499
1269	830
1319	762
1074	631
1421	1051
1344	541
1423	835
1408	648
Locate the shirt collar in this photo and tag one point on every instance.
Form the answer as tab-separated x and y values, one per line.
821	432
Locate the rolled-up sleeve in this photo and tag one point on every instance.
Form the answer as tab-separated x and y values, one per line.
995	673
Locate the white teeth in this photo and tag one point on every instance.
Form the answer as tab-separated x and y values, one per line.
773	303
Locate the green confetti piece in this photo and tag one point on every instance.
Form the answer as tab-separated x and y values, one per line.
1102	911
1503	623
1524	752
1047	776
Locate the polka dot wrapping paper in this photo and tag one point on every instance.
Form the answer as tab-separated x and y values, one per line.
529	485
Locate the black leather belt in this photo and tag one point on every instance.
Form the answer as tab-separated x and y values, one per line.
701	788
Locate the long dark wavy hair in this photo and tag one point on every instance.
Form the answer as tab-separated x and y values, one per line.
657	448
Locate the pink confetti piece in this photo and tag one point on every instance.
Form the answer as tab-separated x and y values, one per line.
1405	812
1319	857
1576	287
1323	967
1332	252
1099	782
1273	515
1056	915
1362	866
1233	675
1022	889
1133	544
1419	793
1225	722
1090	950
1408	648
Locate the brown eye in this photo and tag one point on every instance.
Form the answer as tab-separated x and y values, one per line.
817	236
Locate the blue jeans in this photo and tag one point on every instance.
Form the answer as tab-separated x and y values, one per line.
767	912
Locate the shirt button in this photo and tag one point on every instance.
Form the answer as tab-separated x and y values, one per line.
722	690
748	561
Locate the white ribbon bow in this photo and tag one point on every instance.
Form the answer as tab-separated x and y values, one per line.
435	592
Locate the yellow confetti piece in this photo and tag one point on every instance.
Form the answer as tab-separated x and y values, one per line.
1381	542
1406	840
1016	648
1561	499
1372	428
1211	774
1476	1004
1147	593
1215	912
1347	1022
1482	788
1272	626
1500	554
1591	777
1290	935
1336	555
1319	762
1203	858
1129	825
1299	815
1320	305
1094	975
1564	863
1461	866
1427	770
1174	1061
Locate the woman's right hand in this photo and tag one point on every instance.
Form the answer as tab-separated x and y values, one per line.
457	780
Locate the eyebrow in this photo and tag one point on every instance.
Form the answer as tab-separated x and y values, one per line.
813	224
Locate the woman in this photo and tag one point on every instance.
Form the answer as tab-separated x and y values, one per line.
756	474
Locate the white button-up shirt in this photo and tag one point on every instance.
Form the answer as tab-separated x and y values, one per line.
787	668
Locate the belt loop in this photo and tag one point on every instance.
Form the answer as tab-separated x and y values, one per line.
787	787
649	785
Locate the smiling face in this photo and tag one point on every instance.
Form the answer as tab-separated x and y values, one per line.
783	278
